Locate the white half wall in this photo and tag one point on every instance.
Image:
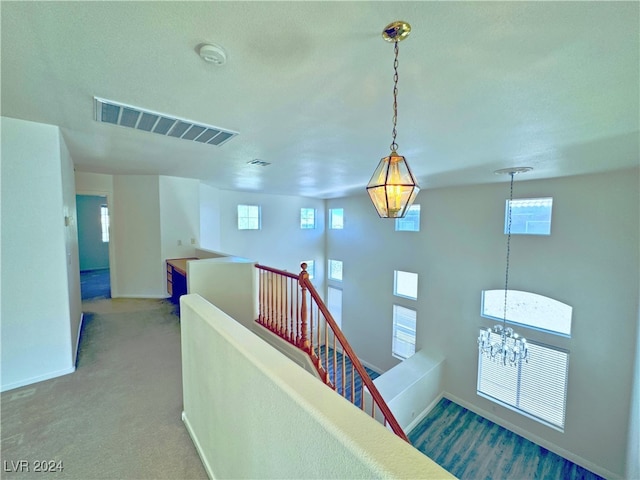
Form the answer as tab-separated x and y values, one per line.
37	255
411	388
253	413
228	282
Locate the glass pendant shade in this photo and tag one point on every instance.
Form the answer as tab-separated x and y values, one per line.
392	187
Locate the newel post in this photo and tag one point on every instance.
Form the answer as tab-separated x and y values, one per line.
303	340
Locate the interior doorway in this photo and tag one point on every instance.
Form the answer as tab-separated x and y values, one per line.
93	246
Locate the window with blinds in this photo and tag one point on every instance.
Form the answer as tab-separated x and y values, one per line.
537	388
404	332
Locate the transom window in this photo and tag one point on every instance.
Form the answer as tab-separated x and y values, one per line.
529	216
405	284
307	218
336	218
528	309
248	217
335	270
404	332
411	221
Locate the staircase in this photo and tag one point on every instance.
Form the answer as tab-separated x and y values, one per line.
290	307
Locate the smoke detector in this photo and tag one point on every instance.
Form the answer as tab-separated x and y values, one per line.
213	54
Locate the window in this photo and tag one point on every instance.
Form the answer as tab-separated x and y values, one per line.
334	304
248	217
529	216
335	270
528	309
104	222
311	268
404	332
536	388
405	284
307	218
336	218
411	221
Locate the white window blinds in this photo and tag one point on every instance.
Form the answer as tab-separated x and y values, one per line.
536	388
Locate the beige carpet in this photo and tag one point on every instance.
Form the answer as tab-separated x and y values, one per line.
119	415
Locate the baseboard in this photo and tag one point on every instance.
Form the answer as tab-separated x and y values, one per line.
196	443
75	359
145	296
572	457
378	370
37	379
421	416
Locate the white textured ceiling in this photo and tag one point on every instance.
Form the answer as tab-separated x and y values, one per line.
308	85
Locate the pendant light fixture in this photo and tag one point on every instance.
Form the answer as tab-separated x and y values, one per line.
392	187
511	348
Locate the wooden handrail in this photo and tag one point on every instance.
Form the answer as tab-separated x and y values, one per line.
298	335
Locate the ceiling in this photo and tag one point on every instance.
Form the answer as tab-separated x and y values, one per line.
308	87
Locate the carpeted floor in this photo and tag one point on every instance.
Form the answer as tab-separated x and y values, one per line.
119	415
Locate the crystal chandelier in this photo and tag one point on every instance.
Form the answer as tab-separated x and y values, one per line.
392	187
511	348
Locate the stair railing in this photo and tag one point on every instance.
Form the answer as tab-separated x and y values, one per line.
290	307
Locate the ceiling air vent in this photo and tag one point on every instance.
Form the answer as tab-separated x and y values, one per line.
260	163
148	121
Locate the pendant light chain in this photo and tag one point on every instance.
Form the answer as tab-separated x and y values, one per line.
394	145
511	349
506	274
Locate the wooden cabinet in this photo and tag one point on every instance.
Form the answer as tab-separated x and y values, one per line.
177	277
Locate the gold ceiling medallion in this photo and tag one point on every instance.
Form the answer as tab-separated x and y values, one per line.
396	31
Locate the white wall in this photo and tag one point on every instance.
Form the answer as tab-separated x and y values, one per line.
209	217
590	262
138	262
633	448
179	216
40	295
71	245
253	413
281	243
94	183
